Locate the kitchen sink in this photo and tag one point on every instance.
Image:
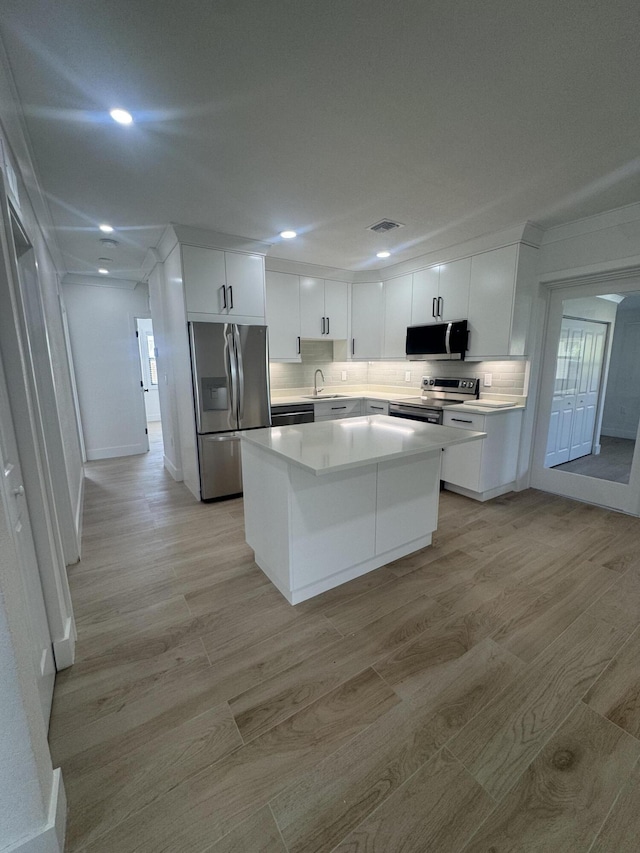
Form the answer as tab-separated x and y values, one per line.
322	396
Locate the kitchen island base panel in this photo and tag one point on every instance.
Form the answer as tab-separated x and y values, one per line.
311	533
297	596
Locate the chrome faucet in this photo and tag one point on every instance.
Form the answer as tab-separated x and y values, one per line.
317	390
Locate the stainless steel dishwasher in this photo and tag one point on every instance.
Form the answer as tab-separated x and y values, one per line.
296	413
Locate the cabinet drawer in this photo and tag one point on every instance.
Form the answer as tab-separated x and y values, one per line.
337	409
376	407
464	420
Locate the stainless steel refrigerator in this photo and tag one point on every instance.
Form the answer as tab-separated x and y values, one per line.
230	369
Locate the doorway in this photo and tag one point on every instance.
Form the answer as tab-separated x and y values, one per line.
589	410
148	352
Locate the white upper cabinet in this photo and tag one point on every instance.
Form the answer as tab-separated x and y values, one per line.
283	316
397	315
245	284
441	293
205	279
324	309
492	302
336	309
453	291
223	284
367	326
424	307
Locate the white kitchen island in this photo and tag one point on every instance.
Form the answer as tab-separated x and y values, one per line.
328	501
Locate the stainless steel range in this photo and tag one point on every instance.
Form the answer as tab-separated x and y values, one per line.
437	393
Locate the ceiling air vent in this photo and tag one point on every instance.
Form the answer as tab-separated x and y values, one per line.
385	225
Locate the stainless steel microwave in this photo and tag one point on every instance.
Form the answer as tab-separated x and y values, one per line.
438	341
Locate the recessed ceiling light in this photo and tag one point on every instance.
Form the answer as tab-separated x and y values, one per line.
121	116
103	271
383	255
288	235
106	228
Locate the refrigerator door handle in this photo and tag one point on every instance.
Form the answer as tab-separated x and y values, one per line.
232	379
238	352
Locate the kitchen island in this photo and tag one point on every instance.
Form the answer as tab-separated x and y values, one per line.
329	501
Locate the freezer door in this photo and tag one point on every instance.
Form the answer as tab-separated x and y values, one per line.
214	370
253	376
220	467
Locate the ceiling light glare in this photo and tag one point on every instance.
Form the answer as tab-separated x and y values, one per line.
103	271
107	229
288	235
121	116
383	255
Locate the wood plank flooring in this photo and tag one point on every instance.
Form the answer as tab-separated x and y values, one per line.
480	695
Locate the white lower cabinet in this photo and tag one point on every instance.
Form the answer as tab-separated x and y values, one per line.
488	468
330	410
375	407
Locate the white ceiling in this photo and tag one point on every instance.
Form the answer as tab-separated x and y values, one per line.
455	117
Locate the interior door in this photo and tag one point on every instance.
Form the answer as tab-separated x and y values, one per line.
594	337
16	501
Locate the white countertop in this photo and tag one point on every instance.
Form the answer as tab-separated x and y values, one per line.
485	410
325	447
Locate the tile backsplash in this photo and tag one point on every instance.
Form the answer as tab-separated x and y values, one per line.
507	377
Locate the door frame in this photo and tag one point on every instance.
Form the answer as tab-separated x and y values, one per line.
618	496
30	429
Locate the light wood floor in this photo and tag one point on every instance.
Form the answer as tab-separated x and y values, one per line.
480	695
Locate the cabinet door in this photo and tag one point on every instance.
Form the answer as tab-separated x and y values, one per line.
204	277
462	464
455	280
336	309
245	284
493	278
367	311
311	307
425	295
283	316
397	315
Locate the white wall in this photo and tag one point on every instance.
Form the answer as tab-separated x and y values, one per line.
166	385
107	366
622	402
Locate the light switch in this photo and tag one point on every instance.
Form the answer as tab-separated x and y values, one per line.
488	379
407	376
344	375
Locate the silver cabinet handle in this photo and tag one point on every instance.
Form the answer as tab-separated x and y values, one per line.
224	295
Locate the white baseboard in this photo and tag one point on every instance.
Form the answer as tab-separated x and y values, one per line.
482	496
64	649
113	452
614	432
176	473
80	514
51	838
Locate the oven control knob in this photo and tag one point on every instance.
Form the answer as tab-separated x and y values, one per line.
432	382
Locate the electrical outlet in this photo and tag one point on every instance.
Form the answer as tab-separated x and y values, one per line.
344	375
407	376
488	379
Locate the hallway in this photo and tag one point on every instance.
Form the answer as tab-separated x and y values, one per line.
462	692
